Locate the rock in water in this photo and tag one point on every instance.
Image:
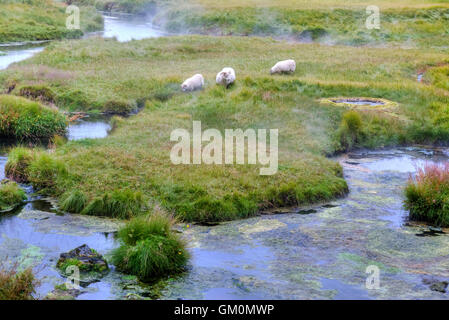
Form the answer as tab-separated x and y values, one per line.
91	265
436	285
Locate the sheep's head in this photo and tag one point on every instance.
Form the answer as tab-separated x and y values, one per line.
272	70
184	87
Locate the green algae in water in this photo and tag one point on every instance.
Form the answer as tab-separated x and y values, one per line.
362	263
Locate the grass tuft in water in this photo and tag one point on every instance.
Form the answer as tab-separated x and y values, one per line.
427	195
149	249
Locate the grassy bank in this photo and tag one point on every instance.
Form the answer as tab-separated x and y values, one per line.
23	119
34	20
132	167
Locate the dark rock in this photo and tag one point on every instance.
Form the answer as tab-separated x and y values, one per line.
91	264
431	232
329	205
436	285
306	211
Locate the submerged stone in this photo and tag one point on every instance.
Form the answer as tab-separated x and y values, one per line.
306	211
436	285
91	265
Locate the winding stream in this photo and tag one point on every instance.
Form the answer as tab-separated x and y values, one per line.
320	252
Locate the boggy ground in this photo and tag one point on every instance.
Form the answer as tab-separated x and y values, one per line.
106	75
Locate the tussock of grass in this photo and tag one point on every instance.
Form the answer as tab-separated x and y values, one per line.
427	195
149	249
16	285
11	195
27	120
73	202
19	160
350	130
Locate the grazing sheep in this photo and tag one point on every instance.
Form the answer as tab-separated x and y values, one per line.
193	83
285	66
226	77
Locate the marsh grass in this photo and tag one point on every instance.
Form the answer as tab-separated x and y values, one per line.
15	284
149	249
427	195
23	119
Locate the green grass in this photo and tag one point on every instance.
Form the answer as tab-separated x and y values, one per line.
148	73
23	119
439	76
42	20
11	195
149	249
427	195
350	129
74	201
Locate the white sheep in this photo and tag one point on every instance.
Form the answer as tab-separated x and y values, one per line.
193	83
285	66
225	77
